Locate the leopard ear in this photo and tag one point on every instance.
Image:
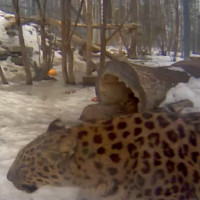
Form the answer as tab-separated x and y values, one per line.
57	124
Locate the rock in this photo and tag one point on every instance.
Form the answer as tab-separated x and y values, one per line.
178	106
4	54
13	70
192	67
16	50
70	91
11	33
94	112
19	61
195	57
89	80
37	52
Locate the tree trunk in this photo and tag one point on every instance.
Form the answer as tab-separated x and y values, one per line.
22	43
89	36
186	35
64	41
177	28
70	62
133	18
103	34
147	25
164	33
45	52
67	53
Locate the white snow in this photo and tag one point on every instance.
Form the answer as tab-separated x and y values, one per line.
184	91
155	60
26	111
30	34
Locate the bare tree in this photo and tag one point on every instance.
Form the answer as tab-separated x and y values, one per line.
186	21
22	43
64	41
70	53
103	33
89	23
45	50
133	18
67	53
147	26
177	28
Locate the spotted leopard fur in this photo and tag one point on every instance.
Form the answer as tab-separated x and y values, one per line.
151	156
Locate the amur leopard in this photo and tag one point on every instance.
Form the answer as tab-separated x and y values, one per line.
150	156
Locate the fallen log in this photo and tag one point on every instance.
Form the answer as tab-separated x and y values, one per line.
76	39
131	88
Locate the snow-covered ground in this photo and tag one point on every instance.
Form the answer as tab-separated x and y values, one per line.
26	111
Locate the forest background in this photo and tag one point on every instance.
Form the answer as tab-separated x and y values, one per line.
141	27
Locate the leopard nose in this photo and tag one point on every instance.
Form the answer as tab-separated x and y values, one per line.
29	188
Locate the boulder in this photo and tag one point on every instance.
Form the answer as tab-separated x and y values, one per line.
93	112
16	50
192	67
19	61
4	54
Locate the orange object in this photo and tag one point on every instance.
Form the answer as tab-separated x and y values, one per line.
52	72
95	99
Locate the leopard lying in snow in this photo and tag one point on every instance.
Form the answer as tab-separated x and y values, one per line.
151	156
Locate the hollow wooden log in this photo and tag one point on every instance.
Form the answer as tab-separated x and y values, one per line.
136	87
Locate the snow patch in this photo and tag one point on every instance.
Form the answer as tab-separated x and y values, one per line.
183	91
